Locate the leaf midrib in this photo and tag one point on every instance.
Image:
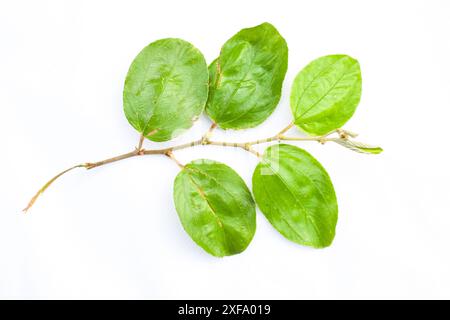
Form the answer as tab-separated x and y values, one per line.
233	196
302	207
308	215
202	194
164	86
312	81
323	96
242	80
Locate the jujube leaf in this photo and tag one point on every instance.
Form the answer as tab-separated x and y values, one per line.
296	195
325	93
166	89
215	207
246	79
359	147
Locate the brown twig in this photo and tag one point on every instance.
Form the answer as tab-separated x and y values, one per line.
41	190
203	141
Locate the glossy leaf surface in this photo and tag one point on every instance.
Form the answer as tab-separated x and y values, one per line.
246	79
325	94
296	195
215	207
166	89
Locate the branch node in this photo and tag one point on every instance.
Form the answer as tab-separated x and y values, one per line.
205	140
342	134
89	165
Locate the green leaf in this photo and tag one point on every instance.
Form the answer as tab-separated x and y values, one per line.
358	146
325	94
296	195
166	89
246	79
215	207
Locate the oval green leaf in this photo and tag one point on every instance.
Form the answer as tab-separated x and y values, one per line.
246	79
166	89
325	94
296	195
215	207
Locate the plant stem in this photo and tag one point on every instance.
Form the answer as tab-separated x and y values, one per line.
319	139
169	151
174	148
91	165
41	190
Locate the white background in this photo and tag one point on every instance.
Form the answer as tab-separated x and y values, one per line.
113	232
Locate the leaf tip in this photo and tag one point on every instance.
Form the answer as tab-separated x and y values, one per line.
378	150
358	146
